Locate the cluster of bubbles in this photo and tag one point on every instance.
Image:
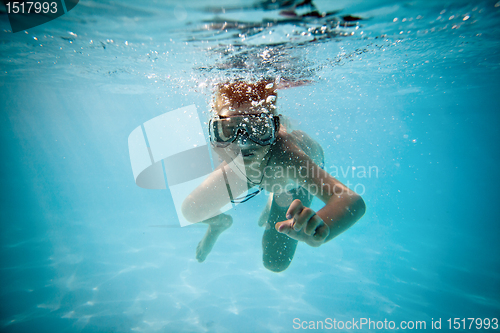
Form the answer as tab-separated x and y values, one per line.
272	41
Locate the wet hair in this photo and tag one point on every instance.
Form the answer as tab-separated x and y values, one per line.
261	94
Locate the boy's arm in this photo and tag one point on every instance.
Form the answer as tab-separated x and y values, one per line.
212	194
342	209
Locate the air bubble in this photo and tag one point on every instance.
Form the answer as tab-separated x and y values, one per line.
271	98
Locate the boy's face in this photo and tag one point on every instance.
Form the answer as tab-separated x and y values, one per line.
251	151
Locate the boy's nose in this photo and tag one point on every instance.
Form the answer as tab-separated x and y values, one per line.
244	141
242	138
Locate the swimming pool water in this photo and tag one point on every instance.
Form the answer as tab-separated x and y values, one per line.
409	89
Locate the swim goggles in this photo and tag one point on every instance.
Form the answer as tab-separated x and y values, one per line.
260	129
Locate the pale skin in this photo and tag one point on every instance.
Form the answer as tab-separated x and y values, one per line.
292	177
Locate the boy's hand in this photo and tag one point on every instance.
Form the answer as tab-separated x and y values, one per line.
304	225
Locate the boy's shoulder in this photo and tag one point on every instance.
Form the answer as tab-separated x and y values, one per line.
298	145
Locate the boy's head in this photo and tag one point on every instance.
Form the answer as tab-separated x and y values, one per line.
246	98
246	118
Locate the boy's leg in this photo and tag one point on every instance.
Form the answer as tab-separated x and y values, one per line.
216	225
278	249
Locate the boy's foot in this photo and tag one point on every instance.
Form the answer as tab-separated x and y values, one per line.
216	225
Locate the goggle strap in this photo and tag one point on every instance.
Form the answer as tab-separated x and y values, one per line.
247	197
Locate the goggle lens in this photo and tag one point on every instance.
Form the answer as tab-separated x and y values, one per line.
260	130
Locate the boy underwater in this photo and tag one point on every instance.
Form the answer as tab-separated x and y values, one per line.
288	165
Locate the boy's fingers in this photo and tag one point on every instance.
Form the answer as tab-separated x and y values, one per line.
286	227
303	219
283	226
321	233
314	222
295	208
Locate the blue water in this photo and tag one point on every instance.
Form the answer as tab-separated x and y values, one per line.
410	89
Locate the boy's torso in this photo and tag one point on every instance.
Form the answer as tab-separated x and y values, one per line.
290	158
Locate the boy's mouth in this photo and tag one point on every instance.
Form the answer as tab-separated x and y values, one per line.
247	154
